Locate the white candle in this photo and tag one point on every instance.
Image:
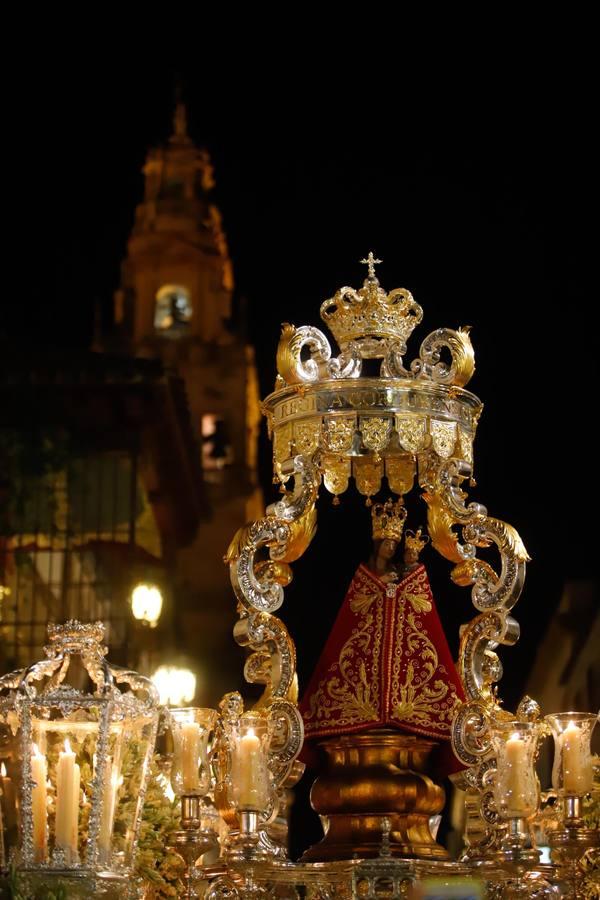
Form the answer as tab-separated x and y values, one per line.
516	777
10	803
577	776
39	804
251	784
67	802
190	754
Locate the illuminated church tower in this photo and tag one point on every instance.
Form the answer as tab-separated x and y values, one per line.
175	303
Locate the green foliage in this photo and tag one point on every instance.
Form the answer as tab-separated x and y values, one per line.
160	867
15	887
157	863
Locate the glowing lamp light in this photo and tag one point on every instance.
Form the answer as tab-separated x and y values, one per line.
175	686
146	603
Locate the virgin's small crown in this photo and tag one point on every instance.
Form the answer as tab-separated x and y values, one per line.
413	541
371	318
388	520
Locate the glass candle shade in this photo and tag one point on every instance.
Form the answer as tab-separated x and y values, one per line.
77	759
572	772
516	788
192	728
250	784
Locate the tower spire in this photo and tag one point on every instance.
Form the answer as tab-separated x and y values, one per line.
180	132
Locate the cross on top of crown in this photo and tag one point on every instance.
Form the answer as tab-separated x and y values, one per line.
371	262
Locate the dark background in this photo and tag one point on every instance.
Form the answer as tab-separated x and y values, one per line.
472	177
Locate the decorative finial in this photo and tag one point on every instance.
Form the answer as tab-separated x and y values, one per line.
371	262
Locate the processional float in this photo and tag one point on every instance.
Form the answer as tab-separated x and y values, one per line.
385	691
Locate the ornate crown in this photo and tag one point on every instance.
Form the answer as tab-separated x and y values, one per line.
370	317
388	520
76	637
414	542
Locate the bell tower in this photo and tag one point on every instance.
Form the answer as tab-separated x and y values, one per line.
177	278
174	302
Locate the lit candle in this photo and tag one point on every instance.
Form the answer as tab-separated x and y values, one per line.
516	758
251	783
577	775
8	790
67	801
190	754
39	803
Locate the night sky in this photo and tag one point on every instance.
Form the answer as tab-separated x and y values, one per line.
474	191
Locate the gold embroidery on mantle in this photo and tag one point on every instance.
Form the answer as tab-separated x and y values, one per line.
349	695
415	689
415	697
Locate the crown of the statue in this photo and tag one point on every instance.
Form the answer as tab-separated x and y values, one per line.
388	520
413	541
370	317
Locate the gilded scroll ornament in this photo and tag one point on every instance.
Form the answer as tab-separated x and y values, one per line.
290	365
461	369
274	657
253	593
307	479
302	531
440	522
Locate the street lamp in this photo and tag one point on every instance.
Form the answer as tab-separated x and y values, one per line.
146	603
176	686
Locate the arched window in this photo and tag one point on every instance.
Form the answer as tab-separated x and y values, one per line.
172	309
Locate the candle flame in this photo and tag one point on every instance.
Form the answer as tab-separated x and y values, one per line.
67	746
515	736
36	751
3	770
250	732
571	726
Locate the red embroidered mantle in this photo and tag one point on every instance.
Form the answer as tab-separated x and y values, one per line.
386	663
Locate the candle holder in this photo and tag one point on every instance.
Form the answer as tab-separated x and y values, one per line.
191	779
249	785
192	840
572	778
516	788
192	729
77	763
